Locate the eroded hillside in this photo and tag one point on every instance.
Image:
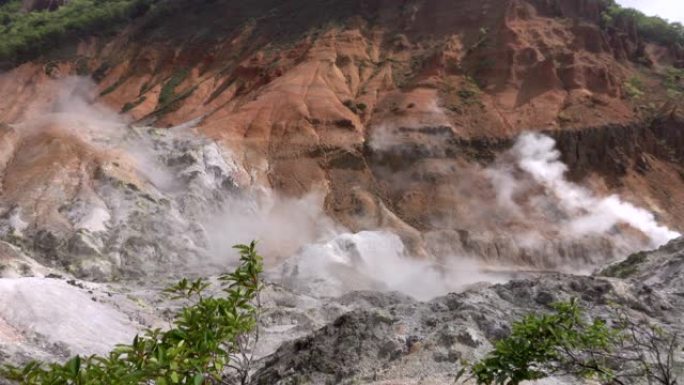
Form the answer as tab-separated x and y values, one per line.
413	146
394	110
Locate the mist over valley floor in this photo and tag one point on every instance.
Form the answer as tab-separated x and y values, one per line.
417	176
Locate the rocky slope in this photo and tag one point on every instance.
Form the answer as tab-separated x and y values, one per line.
414	146
392	109
407	342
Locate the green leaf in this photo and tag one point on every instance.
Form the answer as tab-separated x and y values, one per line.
74	365
198	379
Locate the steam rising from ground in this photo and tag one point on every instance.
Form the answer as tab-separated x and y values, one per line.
282	225
574	210
206	202
376	260
529	180
69	109
589	214
192	199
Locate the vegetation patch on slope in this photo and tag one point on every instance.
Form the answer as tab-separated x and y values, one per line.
652	28
28	34
625	268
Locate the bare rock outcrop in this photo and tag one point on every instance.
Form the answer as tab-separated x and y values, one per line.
407	343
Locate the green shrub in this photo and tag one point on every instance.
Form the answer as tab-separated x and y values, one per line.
350	105
626	268
168	91
616	350
357	108
213	334
672	82
113	87
470	92
633	88
537	343
131	105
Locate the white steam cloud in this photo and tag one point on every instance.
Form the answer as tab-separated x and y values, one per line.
203	202
588	214
282	225
306	248
375	260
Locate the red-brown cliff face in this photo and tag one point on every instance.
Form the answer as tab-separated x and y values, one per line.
392	108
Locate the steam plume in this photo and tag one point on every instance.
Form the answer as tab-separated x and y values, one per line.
589	214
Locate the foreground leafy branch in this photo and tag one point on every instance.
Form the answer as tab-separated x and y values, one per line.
213	334
566	342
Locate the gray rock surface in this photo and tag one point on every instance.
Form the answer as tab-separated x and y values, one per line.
133	223
426	342
138	225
